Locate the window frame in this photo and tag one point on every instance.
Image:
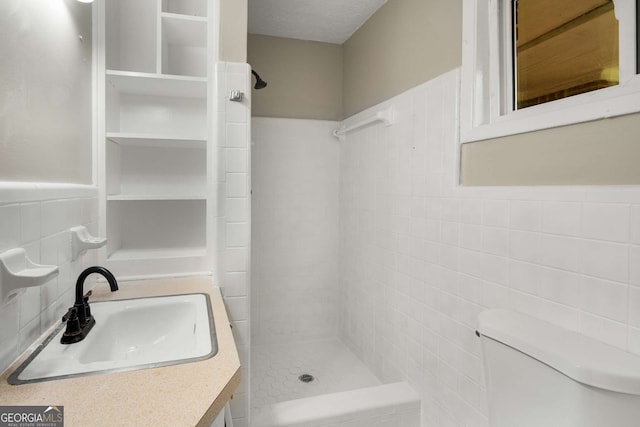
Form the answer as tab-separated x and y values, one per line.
487	68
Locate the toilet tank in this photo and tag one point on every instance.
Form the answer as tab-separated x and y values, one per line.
540	375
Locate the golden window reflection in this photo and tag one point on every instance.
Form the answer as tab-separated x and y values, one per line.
563	48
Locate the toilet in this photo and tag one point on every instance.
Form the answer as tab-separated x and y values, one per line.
541	375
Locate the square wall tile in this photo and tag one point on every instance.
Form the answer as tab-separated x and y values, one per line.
524	276
56	216
471	236
634	265
237	112
471	211
634	306
605	260
238	308
604	298
29	305
561	218
9	227
524	215
236	284
29	222
560	252
9	328
606	221
560	286
29	334
235	260
635	224
237	234
525	246
237	160
237	209
237	185
495	213
448	233
237	135
495	240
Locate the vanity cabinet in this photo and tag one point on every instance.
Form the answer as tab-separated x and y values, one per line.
155	133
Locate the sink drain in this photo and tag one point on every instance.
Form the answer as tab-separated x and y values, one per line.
306	378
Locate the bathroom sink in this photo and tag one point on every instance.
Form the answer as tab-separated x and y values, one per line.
128	334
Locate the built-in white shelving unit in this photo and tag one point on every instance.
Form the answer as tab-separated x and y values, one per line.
156	127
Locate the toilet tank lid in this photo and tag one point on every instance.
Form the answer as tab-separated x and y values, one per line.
579	357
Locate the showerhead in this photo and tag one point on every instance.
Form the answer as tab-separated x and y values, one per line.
260	84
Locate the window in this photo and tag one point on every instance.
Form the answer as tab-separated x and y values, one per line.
536	64
563	48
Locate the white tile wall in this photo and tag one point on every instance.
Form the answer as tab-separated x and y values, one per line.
42	228
295	230
421	256
233	214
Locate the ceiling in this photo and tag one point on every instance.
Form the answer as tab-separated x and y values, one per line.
330	21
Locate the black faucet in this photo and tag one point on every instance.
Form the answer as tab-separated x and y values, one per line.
79	319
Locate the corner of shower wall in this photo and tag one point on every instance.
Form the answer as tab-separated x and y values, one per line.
392	182
295	230
231	216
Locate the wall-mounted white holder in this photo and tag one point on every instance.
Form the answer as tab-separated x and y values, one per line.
82	241
236	96
17	272
386	117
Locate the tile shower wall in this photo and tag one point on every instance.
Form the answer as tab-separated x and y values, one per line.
233	214
295	230
41	226
421	256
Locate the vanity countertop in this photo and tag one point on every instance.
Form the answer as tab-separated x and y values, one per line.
190	394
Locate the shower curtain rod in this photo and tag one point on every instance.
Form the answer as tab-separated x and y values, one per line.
386	116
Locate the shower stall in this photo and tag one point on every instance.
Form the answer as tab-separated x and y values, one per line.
302	371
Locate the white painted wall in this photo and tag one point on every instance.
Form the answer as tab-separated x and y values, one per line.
45	137
295	180
45	91
421	256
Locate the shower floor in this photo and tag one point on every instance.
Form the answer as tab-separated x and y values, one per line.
276	368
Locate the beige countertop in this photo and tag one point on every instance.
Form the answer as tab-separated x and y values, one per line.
190	394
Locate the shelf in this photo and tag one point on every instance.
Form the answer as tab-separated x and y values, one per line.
148	197
151	141
157	253
157	84
183	17
186	7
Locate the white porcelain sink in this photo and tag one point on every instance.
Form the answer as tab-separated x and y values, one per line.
128	334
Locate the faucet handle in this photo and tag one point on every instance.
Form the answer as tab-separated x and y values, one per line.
71	313
73	332
87	295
